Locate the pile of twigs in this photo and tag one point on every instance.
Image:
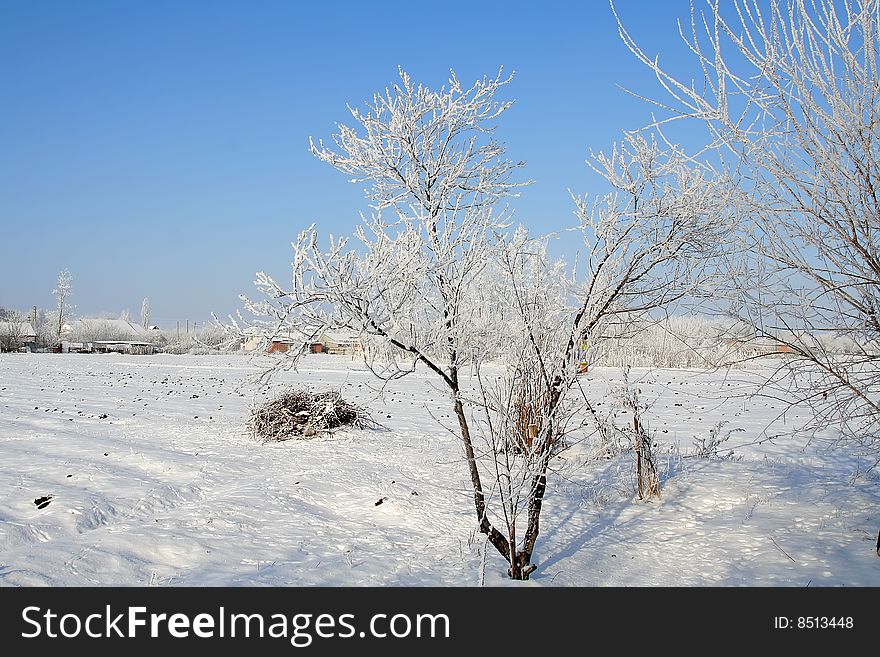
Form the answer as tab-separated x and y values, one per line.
297	414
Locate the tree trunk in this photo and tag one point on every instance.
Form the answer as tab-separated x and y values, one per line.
520	567
638	435
496	538
536	503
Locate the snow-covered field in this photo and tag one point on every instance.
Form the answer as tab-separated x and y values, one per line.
155	481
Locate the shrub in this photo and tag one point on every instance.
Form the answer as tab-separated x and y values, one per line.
710	446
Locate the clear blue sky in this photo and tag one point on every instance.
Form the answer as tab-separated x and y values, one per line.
159	149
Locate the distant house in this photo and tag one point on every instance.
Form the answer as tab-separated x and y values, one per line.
123	347
77	347
98	335
252	339
757	346
339	342
17	335
255	339
330	342
281	345
96	328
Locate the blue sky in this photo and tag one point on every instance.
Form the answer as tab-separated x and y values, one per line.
160	149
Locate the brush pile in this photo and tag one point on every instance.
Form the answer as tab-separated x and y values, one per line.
298	414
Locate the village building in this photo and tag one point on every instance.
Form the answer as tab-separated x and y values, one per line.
339	342
17	336
97	335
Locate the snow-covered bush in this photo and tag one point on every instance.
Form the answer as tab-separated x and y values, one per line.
643	440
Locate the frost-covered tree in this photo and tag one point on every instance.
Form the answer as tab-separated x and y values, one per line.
63	290
145	313
46	327
435	177
651	242
12	330
789	91
436	276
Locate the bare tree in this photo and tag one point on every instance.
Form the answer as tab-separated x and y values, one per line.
12	331
63	290
644	446
790	92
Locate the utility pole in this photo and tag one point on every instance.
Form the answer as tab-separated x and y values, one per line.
178	331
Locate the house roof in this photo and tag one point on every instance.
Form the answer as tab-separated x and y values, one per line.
340	336
24	329
118	325
273	333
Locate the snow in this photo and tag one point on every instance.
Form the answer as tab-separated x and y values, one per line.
155	481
